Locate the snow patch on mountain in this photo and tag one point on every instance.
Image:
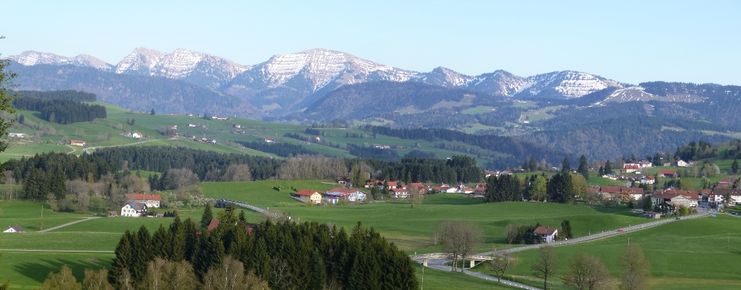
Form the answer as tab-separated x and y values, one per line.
322	66
29	58
566	84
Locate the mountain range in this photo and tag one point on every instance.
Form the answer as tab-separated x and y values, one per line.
565	111
289	83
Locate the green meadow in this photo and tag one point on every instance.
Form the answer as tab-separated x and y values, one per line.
692	254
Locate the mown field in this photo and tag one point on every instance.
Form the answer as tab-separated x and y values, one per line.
692	254
91	243
412	228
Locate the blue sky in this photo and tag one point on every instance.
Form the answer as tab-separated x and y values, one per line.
631	41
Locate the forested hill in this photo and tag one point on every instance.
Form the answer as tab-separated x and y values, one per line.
62	107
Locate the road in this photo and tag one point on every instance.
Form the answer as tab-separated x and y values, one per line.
68	224
441	263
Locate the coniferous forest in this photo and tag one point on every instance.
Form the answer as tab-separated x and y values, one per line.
286	255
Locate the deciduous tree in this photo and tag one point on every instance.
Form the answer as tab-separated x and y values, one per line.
545	266
636	269
587	273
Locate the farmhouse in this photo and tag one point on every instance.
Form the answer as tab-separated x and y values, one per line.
13	230
399	193
631	167
334	195
134	209
309	196
547	234
668	173
77	143
675	198
17	135
150	200
682	163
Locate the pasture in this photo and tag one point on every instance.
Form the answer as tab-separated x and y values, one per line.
692	254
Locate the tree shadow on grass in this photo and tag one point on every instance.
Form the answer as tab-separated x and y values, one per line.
38	270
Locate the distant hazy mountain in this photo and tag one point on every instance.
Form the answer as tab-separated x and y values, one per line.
374	99
291	82
565	111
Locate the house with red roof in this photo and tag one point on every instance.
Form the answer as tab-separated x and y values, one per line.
548	235
309	196
631	167
668	173
676	198
151	200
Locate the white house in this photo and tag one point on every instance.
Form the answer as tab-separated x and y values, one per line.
399	193
547	234
134	209
682	163
13	230
341	193
79	143
150	200
137	135
17	135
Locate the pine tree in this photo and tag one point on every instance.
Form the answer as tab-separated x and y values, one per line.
608	167
565	166
161	243
206	217
566	229
734	166
242	217
123	259
583	167
210	253
142	253
191	240
177	241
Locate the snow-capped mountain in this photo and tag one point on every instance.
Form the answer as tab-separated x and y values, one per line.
565	84
141	61
286	81
181	64
499	83
30	58
445	77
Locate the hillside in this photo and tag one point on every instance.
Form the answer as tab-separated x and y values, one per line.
227	136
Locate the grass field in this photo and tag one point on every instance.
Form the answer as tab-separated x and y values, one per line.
45	136
692	254
412	228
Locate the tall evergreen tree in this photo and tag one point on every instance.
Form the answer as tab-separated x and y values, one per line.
123	259
734	166
583	167
565	165
191	240
177	241
161	243
210	253
206	217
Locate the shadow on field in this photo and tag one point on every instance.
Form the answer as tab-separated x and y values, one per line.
614	210
38	270
451	200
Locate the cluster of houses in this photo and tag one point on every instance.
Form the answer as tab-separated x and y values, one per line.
673	198
138	203
332	196
17	135
400	190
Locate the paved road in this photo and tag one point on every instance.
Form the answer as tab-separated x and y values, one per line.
440	263
254	208
68	224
